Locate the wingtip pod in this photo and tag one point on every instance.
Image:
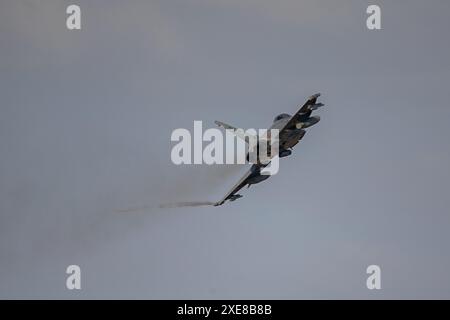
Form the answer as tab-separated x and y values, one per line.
231	198
314	96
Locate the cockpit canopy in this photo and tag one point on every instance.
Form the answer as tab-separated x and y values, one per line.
281	116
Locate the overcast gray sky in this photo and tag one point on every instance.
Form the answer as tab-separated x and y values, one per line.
85	124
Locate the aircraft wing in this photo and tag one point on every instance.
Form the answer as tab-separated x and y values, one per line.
240	133
231	195
304	112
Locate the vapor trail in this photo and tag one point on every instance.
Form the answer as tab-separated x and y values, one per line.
134	209
186	204
169	205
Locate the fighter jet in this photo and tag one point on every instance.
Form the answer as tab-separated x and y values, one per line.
291	131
